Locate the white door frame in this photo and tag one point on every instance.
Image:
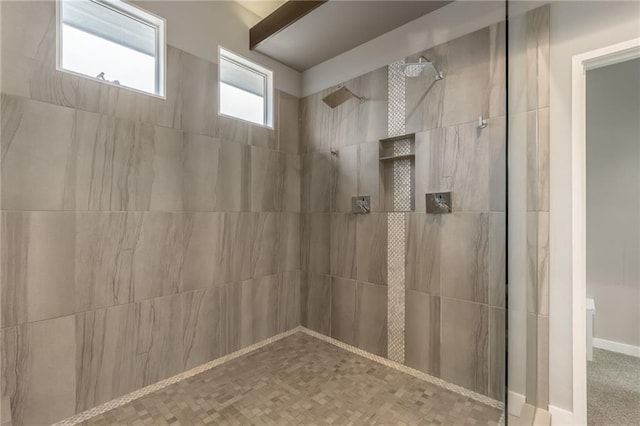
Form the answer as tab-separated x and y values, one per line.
580	65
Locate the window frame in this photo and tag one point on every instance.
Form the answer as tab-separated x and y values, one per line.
138	14
251	66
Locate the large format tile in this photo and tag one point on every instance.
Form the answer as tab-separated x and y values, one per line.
467	78
464	351
371	318
106	244
315	245
360	122
37	266
127	165
123	348
38	371
121	257
316	182
537	48
424	94
250	245
201	164
497	69
497	352
291	195
252	311
288	301
203	249
458	159
267	179
343	245
315	302
538	160
38	156
198	95
371	248
289	241
289	124
204	325
369	172
465	258
423	252
497	269
343	310
344	178
422	332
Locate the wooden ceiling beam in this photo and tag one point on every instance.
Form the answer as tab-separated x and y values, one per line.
284	16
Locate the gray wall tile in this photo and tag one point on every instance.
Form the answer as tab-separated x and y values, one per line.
343	245
464	351
37	266
38	162
371	318
315	302
203	249
422	332
204	325
423	252
38	370
371	247
343	310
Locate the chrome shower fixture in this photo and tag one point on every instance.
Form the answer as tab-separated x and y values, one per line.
416	69
340	96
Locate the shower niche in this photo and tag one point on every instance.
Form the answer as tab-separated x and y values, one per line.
397	158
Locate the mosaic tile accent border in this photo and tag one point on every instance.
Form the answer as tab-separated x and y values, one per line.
410	371
396	286
395	221
125	399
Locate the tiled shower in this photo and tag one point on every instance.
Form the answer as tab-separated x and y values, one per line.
144	237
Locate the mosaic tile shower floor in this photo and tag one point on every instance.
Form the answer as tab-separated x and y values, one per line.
301	380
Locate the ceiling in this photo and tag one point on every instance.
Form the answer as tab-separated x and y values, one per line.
262	8
338	26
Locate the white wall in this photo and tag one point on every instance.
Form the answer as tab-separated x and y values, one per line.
198	27
613	200
576	27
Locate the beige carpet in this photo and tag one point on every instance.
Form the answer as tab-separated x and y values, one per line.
613	389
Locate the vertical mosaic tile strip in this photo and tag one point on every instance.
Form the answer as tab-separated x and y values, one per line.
396	110
395	221
396	287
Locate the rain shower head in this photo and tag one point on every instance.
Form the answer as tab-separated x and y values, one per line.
416	69
340	96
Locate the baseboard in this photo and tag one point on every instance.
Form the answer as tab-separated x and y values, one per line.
612	346
515	402
562	417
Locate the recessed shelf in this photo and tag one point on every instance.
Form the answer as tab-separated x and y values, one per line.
397	157
399	138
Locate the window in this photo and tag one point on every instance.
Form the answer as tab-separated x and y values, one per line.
112	41
246	89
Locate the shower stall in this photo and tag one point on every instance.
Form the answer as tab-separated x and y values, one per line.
370	232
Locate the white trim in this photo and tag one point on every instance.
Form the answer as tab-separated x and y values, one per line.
269	107
562	417
134	12
515	402
621	348
580	65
